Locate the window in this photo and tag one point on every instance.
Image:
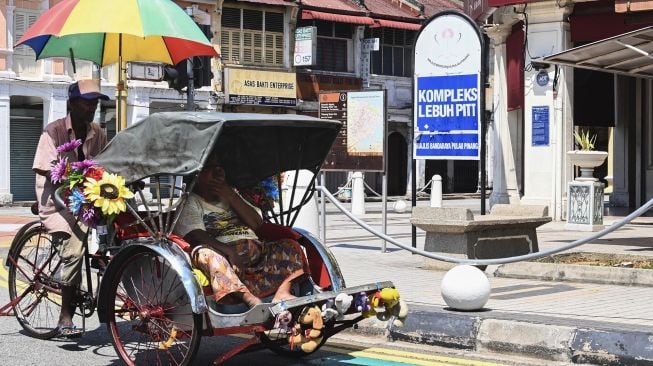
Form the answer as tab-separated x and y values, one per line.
394	56
333	44
252	37
24	57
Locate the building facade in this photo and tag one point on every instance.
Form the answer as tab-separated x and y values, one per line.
596	93
256	41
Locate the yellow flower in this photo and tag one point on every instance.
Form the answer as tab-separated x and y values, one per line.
109	193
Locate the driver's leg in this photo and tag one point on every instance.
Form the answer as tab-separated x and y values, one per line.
72	255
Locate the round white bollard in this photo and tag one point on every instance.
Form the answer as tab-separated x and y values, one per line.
400	206
465	287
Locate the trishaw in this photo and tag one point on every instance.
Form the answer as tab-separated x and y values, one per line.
148	294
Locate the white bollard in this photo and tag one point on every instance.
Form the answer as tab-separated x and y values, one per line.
436	191
357	194
308	218
465	287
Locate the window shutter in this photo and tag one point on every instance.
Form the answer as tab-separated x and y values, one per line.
259	45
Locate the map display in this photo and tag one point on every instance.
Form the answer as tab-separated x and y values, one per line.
360	144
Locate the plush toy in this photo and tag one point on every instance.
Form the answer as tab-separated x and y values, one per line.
343	303
395	310
283	321
375	301
390	297
396	315
328	311
307	333
362	304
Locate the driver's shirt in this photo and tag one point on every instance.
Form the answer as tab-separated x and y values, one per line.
55	134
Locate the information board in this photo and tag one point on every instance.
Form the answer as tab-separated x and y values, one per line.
541	121
447	80
360	146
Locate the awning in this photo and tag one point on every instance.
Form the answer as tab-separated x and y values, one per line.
628	54
340	18
271	2
394	24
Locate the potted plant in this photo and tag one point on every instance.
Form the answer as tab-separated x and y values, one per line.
586	158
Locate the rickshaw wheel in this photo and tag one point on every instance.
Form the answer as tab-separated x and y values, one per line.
150	319
30	277
281	347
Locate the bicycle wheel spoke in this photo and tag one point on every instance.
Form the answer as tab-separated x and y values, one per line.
151	318
31	270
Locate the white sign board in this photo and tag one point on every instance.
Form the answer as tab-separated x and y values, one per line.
447	79
145	71
370	44
305	46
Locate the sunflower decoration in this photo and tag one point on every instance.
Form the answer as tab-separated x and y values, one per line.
108	193
89	192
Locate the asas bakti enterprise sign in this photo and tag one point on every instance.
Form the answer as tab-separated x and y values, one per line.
447	89
260	87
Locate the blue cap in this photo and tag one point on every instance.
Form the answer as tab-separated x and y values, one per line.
86	89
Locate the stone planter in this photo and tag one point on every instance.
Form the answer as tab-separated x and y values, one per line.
586	161
585	193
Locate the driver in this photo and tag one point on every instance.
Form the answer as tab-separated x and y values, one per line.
221	227
67	233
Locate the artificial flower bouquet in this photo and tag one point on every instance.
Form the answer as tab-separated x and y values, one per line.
90	193
263	195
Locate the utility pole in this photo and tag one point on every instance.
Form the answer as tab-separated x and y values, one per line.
190	86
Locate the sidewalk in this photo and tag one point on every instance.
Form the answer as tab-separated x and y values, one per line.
562	321
558	321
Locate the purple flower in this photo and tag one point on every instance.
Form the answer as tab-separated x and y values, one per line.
69	146
83	165
89	216
58	172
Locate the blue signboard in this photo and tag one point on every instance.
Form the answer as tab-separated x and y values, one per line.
447	116
541	121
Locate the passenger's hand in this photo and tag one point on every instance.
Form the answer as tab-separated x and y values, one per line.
219	184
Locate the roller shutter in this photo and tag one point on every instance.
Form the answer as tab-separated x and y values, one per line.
24	133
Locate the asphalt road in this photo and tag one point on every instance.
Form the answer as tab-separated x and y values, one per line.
95	348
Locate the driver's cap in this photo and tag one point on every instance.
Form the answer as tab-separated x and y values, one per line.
86	89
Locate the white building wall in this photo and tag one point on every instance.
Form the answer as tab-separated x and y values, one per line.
545	168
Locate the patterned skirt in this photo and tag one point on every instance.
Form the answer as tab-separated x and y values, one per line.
266	266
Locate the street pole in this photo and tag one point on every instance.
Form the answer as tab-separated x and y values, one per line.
190	87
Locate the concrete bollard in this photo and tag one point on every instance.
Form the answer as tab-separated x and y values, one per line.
308	218
436	191
357	194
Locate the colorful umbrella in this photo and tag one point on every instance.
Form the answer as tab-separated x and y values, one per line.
110	31
104	31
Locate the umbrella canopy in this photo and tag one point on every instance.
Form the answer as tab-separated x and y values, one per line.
102	31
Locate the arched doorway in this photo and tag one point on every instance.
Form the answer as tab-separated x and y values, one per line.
397	164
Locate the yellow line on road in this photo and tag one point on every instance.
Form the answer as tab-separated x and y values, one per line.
403	356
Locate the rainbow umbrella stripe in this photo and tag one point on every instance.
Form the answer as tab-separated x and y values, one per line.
100	30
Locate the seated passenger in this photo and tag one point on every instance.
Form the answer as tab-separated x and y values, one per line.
220	227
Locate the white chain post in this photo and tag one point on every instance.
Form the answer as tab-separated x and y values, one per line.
436	191
357	194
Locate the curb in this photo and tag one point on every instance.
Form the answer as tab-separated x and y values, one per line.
544	341
576	273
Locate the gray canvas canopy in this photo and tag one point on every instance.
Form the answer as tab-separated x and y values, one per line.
251	146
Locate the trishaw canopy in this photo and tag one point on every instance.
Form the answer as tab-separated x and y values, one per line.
251	146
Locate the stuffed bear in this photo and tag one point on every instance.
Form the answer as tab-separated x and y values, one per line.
328	311
395	315
310	338
395	310
343	303
283	321
362	304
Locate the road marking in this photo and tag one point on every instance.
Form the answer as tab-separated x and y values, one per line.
400	356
